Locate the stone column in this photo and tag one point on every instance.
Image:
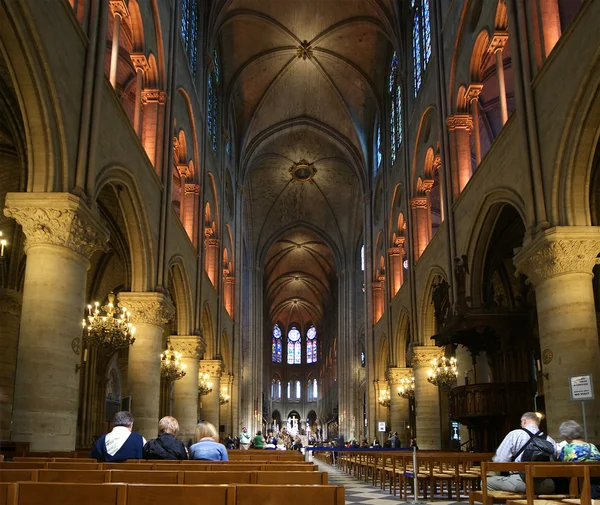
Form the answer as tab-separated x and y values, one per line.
378	298
459	128
212	260
210	402
427	398
119	10
10	316
395	254
229	294
382	413
559	263
190	215
399	412
140	63
472	96
419	209
225	411
153	102
61	234
496	47
185	408
150	312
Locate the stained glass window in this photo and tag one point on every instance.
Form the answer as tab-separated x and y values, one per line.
189	32
216	65
378	149
362	258
209	117
393	72
272	390
311	345
294	349
398	114
315	388
416	53
212	105
395	111
276	345
279	390
393	133
426	33
228	148
289	390
421	40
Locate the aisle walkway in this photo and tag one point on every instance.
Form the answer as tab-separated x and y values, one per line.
360	492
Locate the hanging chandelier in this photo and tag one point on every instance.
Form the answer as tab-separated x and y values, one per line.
171	367
443	372
112	330
224	397
384	398
204	386
406	389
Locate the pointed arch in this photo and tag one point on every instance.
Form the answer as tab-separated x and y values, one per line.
427	326
208	332
183	295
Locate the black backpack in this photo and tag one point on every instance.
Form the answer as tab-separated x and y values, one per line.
537	448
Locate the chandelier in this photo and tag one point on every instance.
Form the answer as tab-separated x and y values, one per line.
406	389
204	387
171	367
443	372
384	398
224	397
112	330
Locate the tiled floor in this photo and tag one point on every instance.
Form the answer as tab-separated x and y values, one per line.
360	492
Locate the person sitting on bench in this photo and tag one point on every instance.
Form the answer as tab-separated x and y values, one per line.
121	443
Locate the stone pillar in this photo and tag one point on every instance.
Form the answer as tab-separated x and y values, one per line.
140	63
190	211
419	209
496	47
459	128
210	410
61	234
559	263
427	398
10	316
153	102
382	413
225	411
212	260
119	10
378	298
229	294
395	254
150	312
399	411
185	408
472	96
427	186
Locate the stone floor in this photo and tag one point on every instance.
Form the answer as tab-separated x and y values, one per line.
361	492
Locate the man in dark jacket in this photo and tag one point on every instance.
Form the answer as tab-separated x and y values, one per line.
121	443
166	446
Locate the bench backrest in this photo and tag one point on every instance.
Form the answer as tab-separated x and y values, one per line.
219	477
8	492
259	494
267	477
147	494
22	465
18	475
195	467
127	466
146	476
81	476
54	493
61	465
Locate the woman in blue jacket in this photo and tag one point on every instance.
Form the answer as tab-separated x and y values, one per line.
206	446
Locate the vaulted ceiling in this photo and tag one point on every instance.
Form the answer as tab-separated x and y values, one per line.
304	81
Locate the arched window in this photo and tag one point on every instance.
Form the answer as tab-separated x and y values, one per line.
189	32
211	112
362	258
289	390
393	77
298	390
311	345
378	153
276	390
273	389
315	390
279	390
421	40
276	345
294	347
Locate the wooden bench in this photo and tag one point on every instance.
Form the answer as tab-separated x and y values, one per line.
303	478
21	465
61	465
80	476
219	477
146	476
150	494
18	475
8	493
487	497
55	493
255	494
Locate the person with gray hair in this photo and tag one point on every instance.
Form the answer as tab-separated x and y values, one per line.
576	449
121	443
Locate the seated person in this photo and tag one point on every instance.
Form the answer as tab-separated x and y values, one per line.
271	441
259	441
121	443
166	446
576	449
206	446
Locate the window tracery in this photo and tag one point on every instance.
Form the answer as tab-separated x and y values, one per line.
395	110
212	102
421	35
311	345
294	347
276	345
189	32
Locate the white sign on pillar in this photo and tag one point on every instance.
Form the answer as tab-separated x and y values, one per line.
582	388
381	426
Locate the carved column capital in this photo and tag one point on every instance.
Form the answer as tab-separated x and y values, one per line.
153	95
418	202
60	219
192	189
10	302
460	122
140	62
395	251
498	41
559	250
212	367
188	346
473	92
422	355
119	7
148	308
396	374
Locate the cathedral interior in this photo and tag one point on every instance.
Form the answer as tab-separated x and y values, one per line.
329	215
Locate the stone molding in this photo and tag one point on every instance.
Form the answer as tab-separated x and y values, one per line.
227	381
418	202
498	41
213	367
119	7
148	308
184	170
139	61
473	92
396	374
395	251
11	302
422	355
192	189
559	250
153	95
460	122
189	347
60	219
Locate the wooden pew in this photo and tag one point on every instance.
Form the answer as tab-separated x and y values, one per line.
75	476
8	493
188	466
21	465
149	494
258	494
146	476
60	465
54	493
18	475
490	497
127	466
220	477
303	478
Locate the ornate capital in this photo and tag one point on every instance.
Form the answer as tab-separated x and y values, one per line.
427	185
212	242
192	189
148	308
119	7
473	92
395	375
213	367
395	251
188	346
557	251
422	355
139	61
498	41
418	202
182	168
10	302
153	95
460	122
229	279
60	219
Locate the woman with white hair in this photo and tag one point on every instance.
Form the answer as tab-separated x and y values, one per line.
576	449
